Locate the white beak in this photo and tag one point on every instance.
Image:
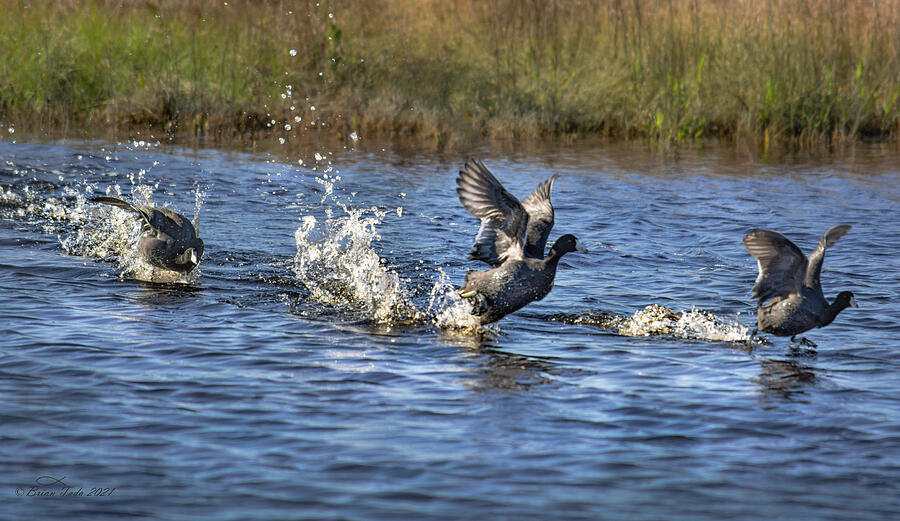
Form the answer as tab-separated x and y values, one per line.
580	247
853	302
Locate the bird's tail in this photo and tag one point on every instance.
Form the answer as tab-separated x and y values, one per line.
146	216
115	201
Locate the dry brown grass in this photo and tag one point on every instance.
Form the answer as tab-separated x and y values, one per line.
812	71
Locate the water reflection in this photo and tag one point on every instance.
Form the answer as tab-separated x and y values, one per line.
498	370
785	377
154	294
489	368
474	340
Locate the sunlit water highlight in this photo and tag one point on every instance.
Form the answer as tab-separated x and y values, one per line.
320	363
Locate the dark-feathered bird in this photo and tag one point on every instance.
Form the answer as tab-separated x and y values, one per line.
788	292
169	239
511	239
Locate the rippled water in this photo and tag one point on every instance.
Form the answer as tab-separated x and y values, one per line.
318	365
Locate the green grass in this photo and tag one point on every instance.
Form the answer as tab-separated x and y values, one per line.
673	71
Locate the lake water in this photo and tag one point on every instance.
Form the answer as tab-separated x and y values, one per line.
317	366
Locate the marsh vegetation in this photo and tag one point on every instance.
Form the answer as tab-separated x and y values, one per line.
678	70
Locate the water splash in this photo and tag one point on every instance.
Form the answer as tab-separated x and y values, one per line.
57	214
337	262
447	309
10	199
656	320
652	320
704	325
84	228
105	232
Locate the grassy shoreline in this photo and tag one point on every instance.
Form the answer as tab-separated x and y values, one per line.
811	71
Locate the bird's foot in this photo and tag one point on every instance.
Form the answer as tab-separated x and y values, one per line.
477	301
804	341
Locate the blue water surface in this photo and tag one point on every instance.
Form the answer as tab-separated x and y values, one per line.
244	395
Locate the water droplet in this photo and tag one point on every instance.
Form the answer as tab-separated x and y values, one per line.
293	52
354	136
281	140
297	119
287	127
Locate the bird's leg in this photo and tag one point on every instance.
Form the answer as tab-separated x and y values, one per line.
804	341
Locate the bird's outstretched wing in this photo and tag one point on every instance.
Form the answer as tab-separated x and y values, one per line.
814	268
504	220
540	218
782	266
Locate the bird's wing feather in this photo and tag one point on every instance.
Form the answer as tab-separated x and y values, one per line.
782	266
540	218
173	223
488	242
814	269
504	220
